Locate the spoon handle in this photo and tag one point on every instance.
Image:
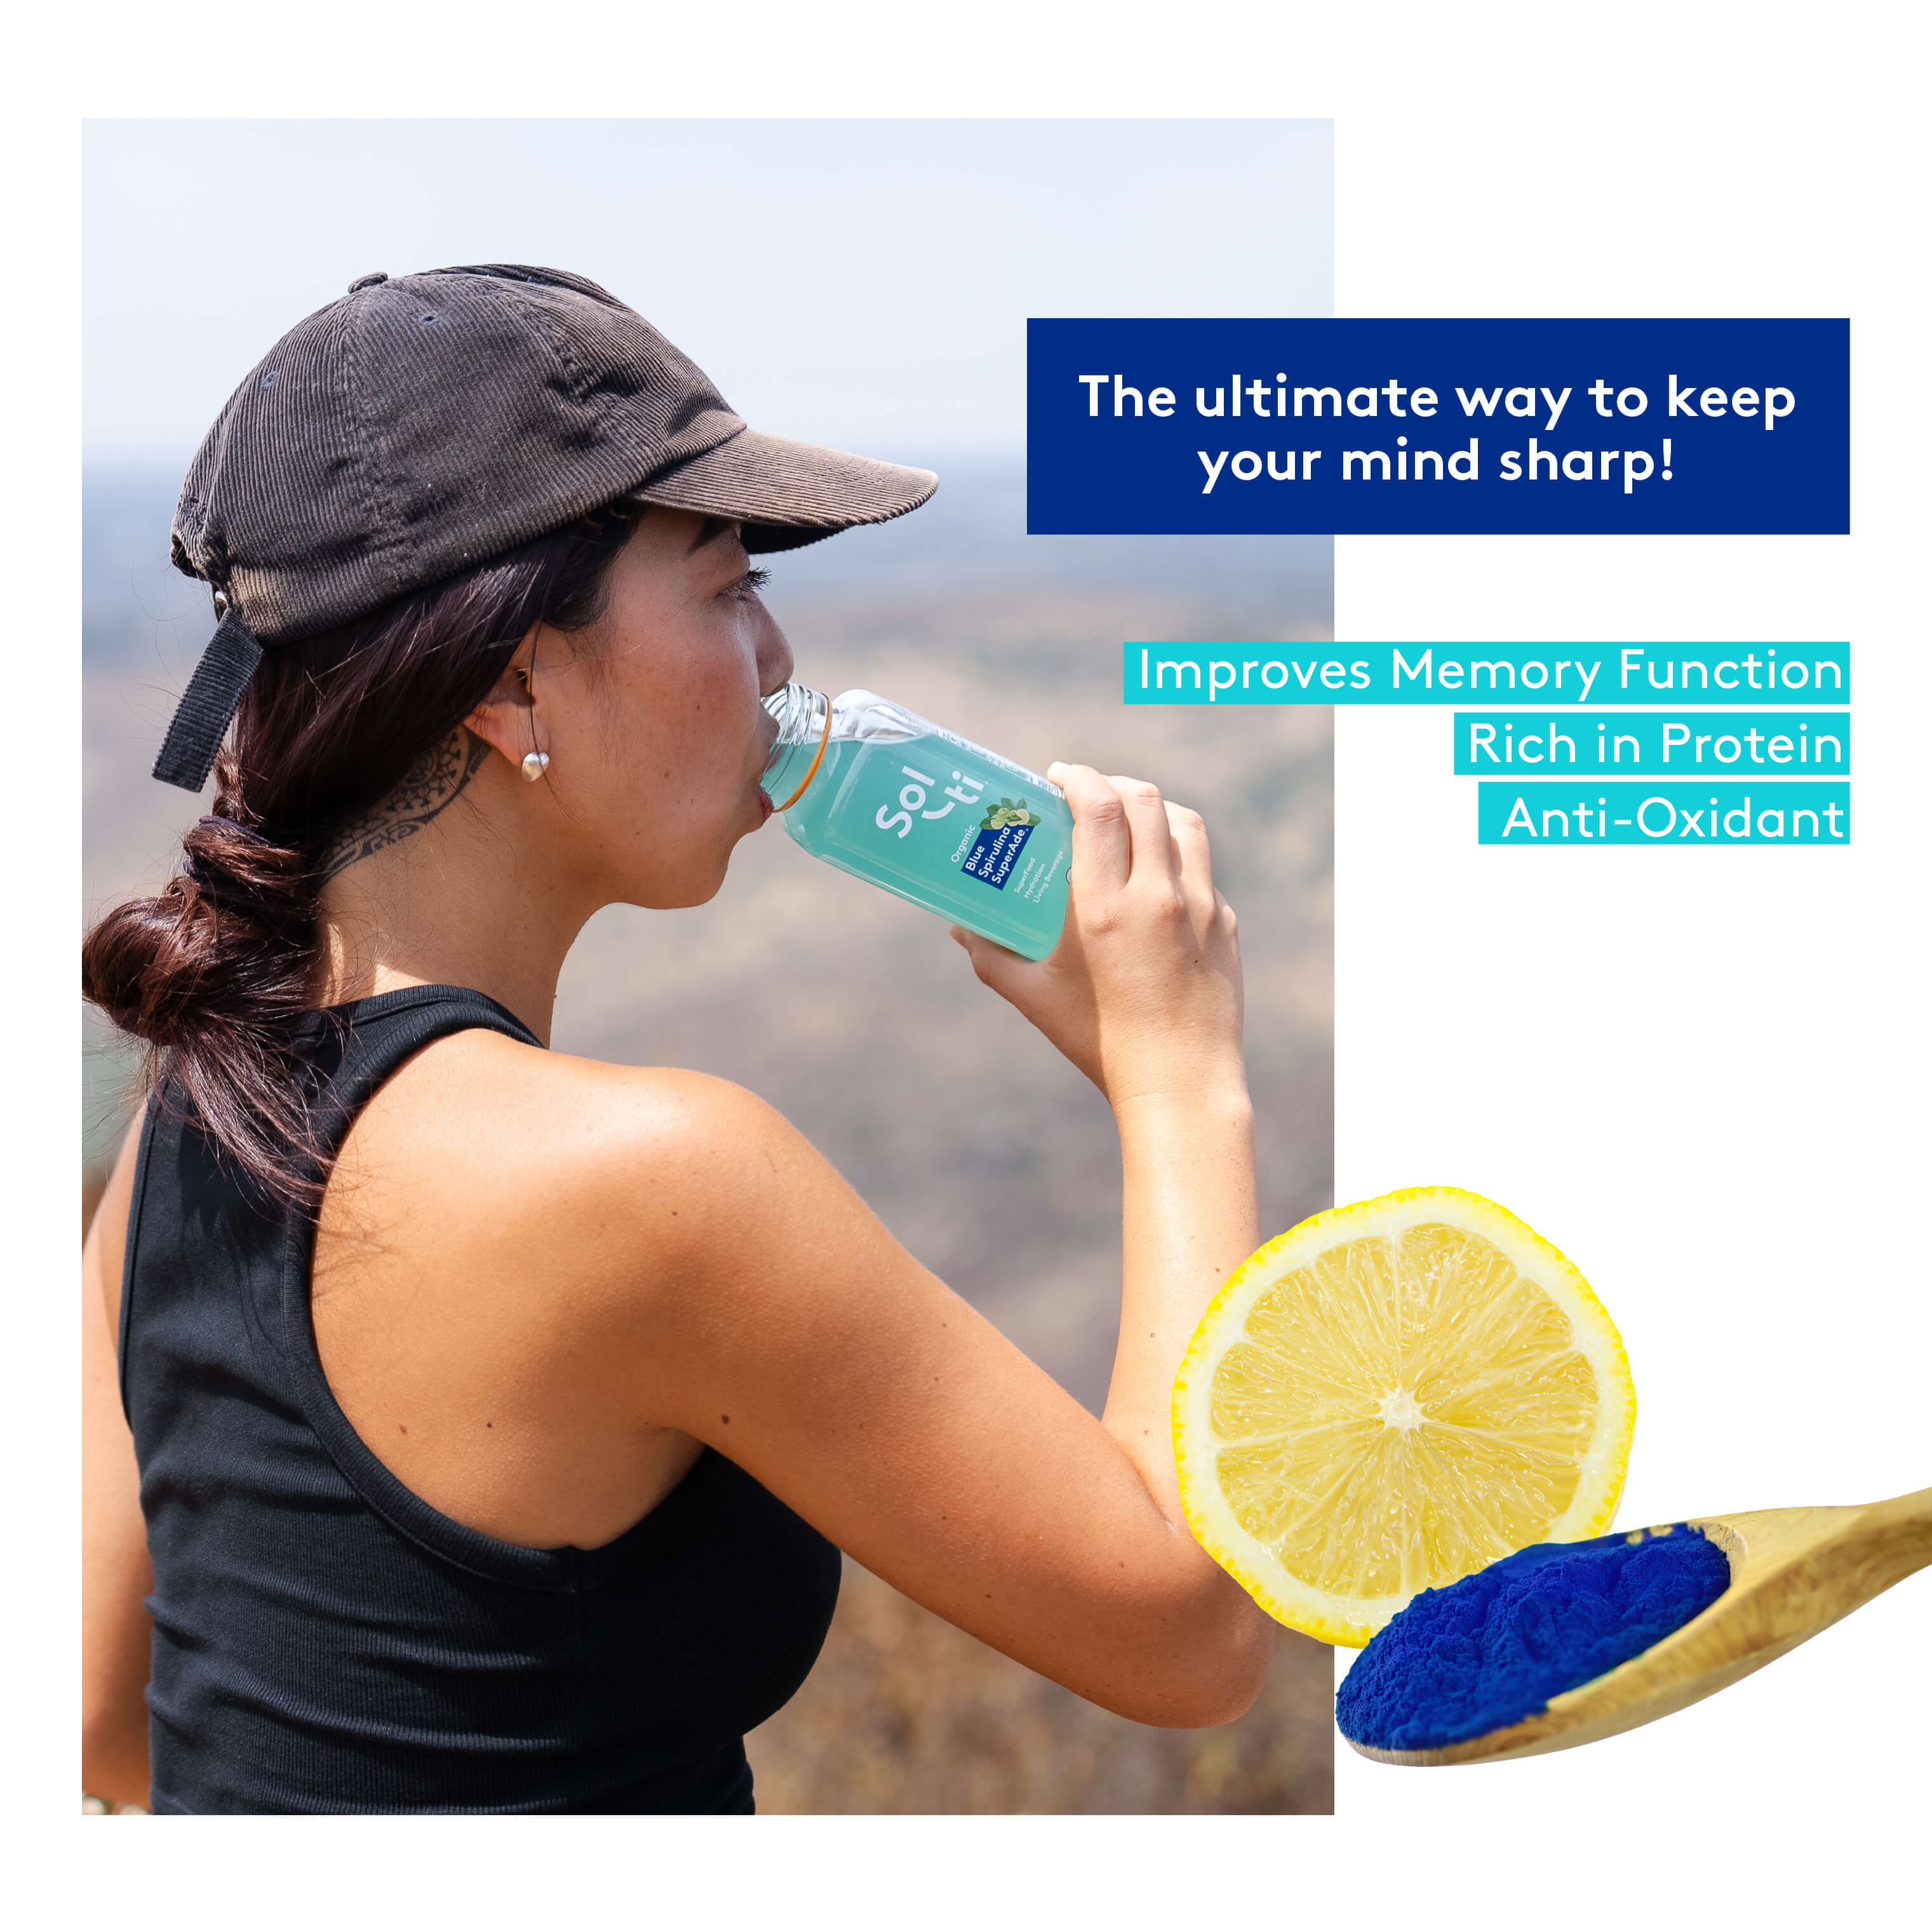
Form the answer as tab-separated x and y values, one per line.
1802	1569
1898	1534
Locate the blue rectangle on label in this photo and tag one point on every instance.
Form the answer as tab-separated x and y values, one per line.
1468	428
991	860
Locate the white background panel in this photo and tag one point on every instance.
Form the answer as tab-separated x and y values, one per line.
1700	1073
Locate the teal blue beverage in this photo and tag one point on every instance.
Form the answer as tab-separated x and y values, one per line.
888	796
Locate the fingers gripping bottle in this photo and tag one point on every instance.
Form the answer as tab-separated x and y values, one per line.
883	793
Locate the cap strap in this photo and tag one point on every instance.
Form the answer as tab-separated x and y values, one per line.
202	717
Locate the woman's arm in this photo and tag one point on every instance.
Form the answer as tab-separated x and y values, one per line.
115	1574
1144	995
783	1325
786	1328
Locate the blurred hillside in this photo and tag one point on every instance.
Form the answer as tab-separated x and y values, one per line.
857	1016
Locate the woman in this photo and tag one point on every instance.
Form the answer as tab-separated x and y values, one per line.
496	1417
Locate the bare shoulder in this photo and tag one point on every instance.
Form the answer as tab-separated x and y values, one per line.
611	1236
503	1263
563	1116
594	1160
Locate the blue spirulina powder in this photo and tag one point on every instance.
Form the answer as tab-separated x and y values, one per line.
1495	1647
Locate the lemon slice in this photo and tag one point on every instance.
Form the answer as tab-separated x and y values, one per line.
1393	1395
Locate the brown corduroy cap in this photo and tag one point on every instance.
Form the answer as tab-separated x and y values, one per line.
420	425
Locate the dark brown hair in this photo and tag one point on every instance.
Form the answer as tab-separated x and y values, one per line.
217	971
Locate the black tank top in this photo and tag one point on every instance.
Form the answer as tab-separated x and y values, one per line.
324	1640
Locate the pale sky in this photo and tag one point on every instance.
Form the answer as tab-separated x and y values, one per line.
864	284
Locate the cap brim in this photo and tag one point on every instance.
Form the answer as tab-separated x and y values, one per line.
783	494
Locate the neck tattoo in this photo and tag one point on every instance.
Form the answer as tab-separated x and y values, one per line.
432	785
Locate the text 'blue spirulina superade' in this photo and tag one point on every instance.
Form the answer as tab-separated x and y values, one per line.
883	793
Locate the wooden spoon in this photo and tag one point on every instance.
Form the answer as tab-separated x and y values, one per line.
1793	1573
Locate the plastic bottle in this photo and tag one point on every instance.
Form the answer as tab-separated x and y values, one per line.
888	796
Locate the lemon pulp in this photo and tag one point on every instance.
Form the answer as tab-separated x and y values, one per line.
1391	1395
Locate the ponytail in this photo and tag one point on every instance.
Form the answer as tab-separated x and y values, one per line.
214	970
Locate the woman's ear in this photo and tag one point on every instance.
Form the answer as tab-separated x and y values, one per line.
507	720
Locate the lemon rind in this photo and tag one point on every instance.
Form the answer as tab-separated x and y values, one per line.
1350	1622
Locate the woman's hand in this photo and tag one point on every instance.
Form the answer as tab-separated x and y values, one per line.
1143	993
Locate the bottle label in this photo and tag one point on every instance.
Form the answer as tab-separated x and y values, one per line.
922	815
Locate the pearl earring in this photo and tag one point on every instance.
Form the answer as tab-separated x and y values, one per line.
535	763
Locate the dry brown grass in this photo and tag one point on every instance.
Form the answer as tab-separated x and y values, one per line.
905	1714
